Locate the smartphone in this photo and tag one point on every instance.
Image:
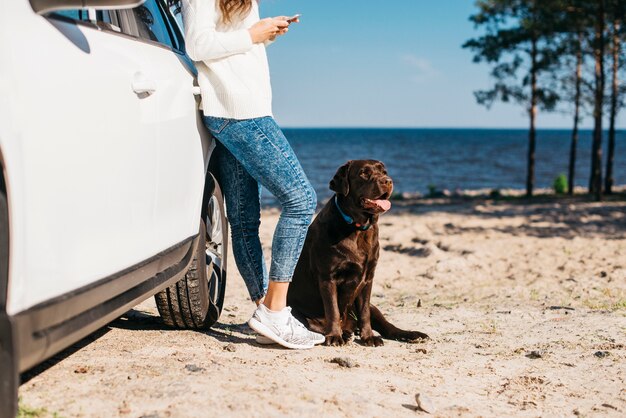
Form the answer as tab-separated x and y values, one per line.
293	18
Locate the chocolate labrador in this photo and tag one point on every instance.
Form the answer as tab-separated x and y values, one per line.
332	283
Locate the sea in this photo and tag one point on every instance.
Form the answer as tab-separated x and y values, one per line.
452	159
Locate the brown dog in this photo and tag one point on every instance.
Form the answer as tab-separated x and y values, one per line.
332	283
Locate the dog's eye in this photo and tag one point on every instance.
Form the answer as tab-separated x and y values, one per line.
364	174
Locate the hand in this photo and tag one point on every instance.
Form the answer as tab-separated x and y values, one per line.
267	29
289	20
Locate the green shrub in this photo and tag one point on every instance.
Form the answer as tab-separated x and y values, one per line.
560	184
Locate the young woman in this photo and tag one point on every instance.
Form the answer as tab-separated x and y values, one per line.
227	40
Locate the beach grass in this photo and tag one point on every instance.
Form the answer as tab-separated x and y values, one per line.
25	411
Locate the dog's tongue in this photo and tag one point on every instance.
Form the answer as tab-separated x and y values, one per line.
383	204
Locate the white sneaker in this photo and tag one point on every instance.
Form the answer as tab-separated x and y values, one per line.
281	328
263	340
315	337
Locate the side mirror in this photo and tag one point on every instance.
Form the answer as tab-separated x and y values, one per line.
45	6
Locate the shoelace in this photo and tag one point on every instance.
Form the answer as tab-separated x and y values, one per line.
297	323
293	323
300	325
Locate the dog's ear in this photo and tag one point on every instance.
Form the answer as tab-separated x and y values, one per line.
340	184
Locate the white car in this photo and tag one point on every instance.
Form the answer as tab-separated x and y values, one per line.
106	196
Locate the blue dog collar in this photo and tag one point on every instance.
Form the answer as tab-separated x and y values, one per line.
349	219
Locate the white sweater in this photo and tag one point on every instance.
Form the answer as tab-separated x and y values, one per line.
233	73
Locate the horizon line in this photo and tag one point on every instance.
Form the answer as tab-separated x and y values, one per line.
445	127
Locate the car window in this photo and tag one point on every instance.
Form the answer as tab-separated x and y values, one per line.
151	24
103	16
85	15
74	14
175	20
177	12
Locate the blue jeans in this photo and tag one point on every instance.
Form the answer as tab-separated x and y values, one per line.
252	153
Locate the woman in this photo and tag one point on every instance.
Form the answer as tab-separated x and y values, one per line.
227	40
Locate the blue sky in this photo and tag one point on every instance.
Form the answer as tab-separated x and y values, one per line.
383	64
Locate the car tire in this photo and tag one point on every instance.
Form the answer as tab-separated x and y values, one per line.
196	301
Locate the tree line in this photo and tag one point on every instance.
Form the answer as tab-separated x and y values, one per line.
550	55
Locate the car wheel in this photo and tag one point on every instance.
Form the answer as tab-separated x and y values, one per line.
196	301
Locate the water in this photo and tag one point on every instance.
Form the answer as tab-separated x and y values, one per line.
446	158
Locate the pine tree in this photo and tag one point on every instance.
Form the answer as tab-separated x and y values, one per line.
595	180
573	34
616	13
519	38
577	102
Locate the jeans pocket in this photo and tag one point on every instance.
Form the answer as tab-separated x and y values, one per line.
216	125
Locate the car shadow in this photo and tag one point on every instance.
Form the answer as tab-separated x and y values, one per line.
57	358
136	320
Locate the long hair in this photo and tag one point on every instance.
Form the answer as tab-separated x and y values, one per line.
234	8
230	9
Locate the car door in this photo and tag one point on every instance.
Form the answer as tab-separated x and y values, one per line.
87	179
183	142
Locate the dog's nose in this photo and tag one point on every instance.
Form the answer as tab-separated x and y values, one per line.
386	181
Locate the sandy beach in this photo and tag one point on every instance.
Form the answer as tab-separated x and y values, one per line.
525	303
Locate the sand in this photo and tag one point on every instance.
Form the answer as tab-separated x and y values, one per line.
525	304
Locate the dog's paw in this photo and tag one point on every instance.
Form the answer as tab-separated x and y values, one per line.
346	335
334	340
372	341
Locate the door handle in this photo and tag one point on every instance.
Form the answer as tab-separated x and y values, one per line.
143	85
